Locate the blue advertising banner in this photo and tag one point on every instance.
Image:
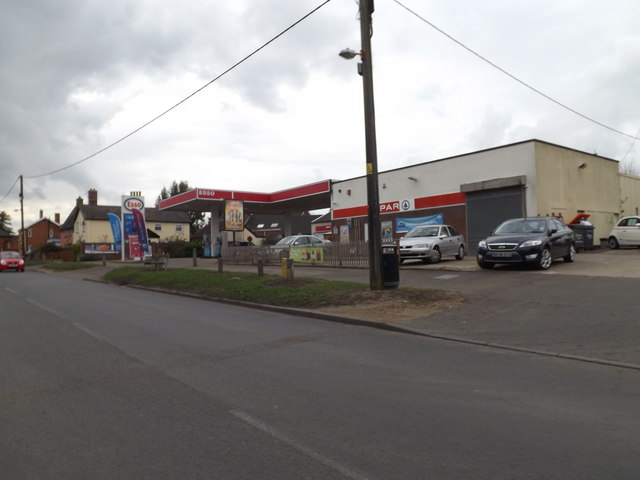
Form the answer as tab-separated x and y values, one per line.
406	224
141	230
115	229
129	225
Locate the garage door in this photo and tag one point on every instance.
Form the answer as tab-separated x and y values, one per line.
486	209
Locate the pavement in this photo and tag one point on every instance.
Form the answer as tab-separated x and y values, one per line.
499	321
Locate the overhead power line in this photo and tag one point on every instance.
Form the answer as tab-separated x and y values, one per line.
157	117
7	194
513	77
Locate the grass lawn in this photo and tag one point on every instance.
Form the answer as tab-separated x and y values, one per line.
273	290
269	289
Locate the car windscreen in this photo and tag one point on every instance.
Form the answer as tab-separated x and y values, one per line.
521	226
10	255
286	241
423	232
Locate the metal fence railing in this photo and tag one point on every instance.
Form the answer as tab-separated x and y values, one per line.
339	254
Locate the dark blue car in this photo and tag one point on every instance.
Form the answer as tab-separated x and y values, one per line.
535	241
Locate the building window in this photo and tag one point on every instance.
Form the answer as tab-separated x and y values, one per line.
29	233
158	227
178	227
51	233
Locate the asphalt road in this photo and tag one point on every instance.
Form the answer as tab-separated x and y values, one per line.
108	382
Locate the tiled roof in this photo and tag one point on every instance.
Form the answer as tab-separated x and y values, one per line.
99	212
4	233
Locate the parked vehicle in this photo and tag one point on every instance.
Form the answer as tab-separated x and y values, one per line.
11	261
281	248
430	243
626	232
533	241
301	241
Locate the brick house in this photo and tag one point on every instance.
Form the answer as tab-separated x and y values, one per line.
40	233
8	241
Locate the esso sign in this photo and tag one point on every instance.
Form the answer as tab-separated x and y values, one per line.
389	207
131	203
204	193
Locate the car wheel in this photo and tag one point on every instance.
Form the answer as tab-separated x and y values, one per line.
545	259
460	254
571	256
436	256
486	266
613	243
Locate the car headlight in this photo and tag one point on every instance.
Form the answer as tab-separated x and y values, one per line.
482	244
21	262
426	246
531	243
3	262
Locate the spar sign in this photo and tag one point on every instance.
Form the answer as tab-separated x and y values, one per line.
396	206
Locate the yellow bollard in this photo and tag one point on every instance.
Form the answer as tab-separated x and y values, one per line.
283	268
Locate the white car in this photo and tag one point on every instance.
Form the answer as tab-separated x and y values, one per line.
626	232
302	241
430	243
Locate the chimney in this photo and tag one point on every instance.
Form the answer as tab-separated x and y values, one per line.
79	201
41	213
93	197
57	218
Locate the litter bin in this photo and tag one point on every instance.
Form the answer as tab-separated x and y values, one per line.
583	235
390	266
583	231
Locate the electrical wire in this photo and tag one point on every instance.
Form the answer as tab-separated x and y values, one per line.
7	194
513	77
157	117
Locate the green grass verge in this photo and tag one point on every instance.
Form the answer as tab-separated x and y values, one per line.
269	289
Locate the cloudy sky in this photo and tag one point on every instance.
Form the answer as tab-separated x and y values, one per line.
78	75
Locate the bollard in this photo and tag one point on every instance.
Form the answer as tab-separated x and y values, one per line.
283	268
104	260
195	258
289	270
220	265
260	267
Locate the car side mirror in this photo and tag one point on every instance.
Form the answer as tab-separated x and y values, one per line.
552	231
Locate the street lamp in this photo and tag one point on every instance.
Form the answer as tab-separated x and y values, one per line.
365	69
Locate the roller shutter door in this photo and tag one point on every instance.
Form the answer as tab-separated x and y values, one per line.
486	209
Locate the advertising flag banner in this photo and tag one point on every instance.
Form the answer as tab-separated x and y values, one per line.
141	228
115	229
234	215
406	224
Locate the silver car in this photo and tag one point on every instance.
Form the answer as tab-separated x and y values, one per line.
430	243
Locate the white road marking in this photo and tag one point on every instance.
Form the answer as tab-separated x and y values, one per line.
292	443
80	327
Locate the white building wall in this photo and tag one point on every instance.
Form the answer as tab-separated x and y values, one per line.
443	177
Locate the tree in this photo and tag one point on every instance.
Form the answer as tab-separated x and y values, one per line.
5	222
196	219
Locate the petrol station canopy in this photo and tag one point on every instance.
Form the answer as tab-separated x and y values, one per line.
313	196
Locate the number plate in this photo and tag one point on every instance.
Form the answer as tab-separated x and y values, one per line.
500	254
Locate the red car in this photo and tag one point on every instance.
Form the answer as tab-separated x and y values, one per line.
11	261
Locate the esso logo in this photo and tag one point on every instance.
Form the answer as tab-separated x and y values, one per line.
206	193
131	203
